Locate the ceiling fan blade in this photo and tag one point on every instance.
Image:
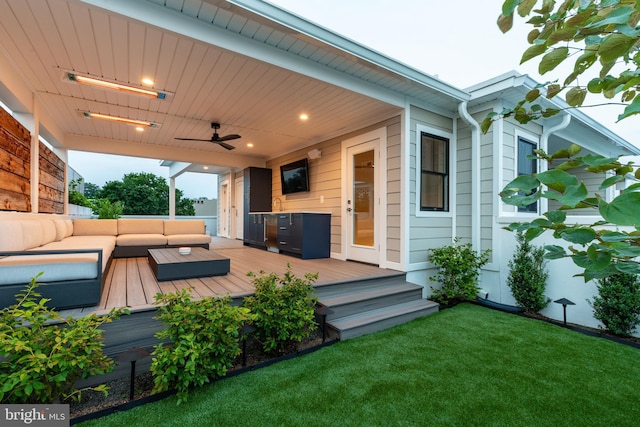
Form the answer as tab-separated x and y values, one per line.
228	137
227	146
193	139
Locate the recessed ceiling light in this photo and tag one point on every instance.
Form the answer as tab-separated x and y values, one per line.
206	168
105	84
147	81
304	116
139	128
250	144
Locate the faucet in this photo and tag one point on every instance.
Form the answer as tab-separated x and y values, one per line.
277	199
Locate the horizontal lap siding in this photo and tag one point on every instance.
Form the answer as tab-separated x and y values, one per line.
325	178
394	188
426	232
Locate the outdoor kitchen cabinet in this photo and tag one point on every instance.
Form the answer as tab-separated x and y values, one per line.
257	198
304	234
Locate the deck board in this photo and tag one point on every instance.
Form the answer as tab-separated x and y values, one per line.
131	283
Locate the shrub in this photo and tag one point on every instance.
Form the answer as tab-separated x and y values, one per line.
75	196
39	360
204	337
107	210
458	271
528	275
282	308
617	304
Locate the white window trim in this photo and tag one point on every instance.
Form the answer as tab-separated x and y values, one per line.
452	172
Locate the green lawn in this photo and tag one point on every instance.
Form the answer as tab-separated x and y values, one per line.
464	366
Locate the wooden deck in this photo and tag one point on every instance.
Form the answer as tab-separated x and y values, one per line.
131	283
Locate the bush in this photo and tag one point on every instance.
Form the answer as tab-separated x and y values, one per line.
282	309
107	210
204	337
528	276
458	271
617	304
40	361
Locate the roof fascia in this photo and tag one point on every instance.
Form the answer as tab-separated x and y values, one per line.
515	81
344	44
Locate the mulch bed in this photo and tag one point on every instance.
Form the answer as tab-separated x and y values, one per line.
95	404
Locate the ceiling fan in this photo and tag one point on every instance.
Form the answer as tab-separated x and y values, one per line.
216	139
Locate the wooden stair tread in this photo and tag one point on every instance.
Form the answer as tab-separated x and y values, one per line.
372	316
356	295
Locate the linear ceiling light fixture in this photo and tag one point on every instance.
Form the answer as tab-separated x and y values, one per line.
105	84
91	115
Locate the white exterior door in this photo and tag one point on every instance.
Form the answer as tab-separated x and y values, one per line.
362	198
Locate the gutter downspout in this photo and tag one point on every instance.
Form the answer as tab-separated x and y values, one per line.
475	174
544	145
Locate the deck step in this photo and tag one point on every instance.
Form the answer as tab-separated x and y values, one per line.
327	290
381	318
360	299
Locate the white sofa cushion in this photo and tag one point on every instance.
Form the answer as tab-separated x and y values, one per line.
140	226
188	226
11	236
32	233
61	229
21	269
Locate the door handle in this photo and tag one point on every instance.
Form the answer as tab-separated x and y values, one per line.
349	209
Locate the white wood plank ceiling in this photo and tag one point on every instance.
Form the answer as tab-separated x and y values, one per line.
260	101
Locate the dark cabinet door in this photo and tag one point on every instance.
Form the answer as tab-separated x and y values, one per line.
257	198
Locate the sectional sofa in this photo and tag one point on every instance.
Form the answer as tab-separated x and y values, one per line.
74	255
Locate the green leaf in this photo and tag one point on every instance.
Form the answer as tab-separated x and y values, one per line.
581	235
552	59
532	52
574	195
558	180
554	252
614	236
631	109
623	210
575	96
556	216
509	6
611	181
553	90
525	7
619	15
505	23
615	46
628	267
532	95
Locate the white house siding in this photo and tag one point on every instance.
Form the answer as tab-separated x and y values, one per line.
326	181
428	229
394	188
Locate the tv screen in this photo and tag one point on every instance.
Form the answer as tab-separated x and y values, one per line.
295	176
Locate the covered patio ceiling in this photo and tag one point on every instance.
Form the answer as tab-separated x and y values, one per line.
243	63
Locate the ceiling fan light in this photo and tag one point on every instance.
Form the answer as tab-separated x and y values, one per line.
105	84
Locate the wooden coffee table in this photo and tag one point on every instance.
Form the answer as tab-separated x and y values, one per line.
169	264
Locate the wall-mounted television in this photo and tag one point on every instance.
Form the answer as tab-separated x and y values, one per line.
294	176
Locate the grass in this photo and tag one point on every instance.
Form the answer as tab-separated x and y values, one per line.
464	366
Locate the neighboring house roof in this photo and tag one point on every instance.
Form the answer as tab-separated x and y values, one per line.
512	86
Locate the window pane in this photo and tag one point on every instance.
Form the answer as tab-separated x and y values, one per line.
526	166
434	174
434	154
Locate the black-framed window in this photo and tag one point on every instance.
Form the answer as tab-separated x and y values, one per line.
434	173
527	165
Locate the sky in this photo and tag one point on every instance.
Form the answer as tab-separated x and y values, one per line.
457	40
